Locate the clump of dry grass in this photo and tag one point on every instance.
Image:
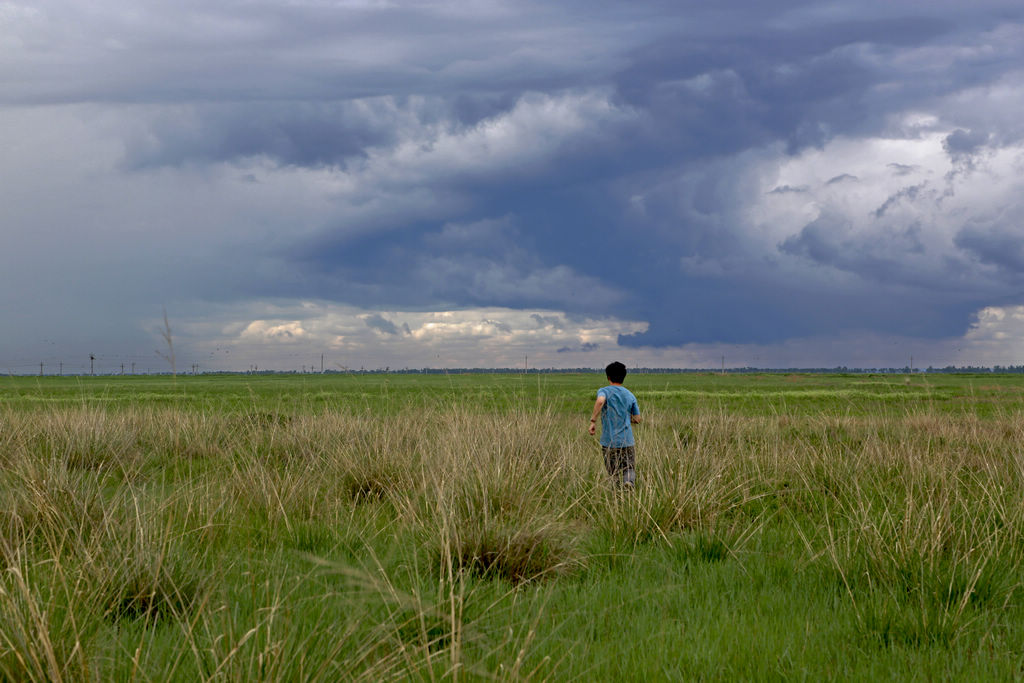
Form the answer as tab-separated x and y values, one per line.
514	553
150	588
486	503
920	521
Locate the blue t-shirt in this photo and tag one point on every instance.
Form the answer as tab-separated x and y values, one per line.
619	406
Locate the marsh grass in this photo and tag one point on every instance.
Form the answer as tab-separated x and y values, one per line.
456	540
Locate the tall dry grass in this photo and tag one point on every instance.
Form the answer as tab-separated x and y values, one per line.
156	544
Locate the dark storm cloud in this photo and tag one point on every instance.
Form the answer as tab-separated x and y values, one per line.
382	324
546	320
487	263
297	133
290	134
909	193
994	246
585	347
595	158
817	241
798	84
877	258
784	189
901	169
171	52
961	142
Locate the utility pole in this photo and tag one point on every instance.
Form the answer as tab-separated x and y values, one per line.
62	368
122	369
321	363
40	369
723	364
92	358
133	367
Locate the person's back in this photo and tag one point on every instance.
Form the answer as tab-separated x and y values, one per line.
619	411
616	416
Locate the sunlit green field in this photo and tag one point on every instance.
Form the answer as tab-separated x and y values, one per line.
429	526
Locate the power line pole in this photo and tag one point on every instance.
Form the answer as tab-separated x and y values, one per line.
40	369
92	359
321	363
62	368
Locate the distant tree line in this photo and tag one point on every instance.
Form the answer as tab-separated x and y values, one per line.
839	369
977	369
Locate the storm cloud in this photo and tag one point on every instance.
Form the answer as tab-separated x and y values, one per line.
692	173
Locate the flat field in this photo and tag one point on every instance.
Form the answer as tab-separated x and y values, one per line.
429	526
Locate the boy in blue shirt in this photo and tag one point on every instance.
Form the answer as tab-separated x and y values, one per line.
619	412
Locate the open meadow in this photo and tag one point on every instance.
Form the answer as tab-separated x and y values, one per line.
339	527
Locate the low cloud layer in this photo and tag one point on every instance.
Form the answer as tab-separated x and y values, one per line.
296	335
727	176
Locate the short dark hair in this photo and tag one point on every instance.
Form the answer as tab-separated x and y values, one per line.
616	372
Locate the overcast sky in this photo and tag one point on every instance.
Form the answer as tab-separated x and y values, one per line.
468	184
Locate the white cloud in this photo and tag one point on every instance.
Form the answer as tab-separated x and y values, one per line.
896	214
286	335
263	331
997	336
292	335
533	130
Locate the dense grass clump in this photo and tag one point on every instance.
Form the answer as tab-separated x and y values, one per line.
426	528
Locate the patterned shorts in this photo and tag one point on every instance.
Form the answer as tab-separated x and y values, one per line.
621	464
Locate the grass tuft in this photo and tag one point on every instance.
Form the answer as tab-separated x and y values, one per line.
150	594
514	555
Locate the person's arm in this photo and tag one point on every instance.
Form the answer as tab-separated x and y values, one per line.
598	405
634	414
635	419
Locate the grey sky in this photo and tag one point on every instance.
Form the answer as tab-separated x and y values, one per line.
693	177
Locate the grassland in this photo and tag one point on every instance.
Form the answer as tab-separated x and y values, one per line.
374	527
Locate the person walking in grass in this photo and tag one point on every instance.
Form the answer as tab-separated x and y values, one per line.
618	409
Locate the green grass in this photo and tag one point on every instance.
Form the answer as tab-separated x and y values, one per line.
795	394
373	527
